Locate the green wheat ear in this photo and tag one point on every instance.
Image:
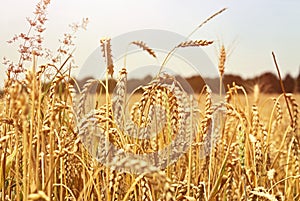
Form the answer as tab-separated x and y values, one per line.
9	160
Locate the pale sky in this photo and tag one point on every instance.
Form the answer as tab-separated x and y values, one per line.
250	29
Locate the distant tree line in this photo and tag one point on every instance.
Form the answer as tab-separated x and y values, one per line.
267	82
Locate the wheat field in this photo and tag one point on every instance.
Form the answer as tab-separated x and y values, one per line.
244	147
43	157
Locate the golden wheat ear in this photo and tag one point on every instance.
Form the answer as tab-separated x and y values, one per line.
221	66
106	50
194	43
145	47
222	60
206	21
119	98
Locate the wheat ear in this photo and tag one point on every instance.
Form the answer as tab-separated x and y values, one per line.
106	50
194	43
145	47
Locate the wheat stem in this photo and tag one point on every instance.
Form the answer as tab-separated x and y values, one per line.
282	86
